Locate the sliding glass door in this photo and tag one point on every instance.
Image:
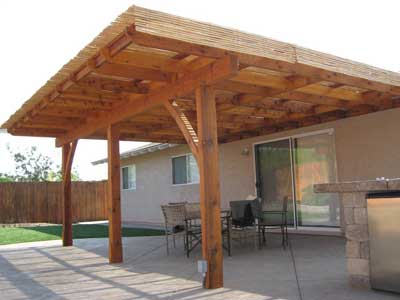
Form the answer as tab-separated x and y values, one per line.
274	175
289	168
314	162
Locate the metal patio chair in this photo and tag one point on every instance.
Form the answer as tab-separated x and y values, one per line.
193	228
242	218
174	217
192	210
271	219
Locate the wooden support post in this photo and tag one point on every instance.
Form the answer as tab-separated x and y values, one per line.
68	152
114	196
209	185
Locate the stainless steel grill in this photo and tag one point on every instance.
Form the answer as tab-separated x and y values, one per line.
384	233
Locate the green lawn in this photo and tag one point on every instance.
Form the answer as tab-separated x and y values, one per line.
13	235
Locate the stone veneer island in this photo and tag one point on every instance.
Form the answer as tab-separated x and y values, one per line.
355	222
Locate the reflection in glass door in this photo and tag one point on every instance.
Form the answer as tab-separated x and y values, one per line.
289	168
314	162
274	175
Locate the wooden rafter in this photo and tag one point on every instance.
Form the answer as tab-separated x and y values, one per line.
130	72
97	83
142	59
214	72
313	73
145	52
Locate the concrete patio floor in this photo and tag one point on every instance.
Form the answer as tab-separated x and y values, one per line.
47	271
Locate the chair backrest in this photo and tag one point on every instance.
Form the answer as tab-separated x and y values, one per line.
242	214
285	203
275	205
174	214
274	219
192	210
177	203
256	208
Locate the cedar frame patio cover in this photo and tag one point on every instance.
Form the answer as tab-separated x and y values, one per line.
155	77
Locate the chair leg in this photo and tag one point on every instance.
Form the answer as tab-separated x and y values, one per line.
259	236
229	241
286	231
166	237
286	235
255	237
187	243
263	233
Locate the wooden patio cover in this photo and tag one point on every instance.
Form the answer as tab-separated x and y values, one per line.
155	77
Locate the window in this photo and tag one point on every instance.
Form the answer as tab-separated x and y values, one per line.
184	170
129	177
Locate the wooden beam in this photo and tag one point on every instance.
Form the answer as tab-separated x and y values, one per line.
132	72
184	125
314	99
157	139
153	41
116	86
269	81
312	72
243	88
114	196
268	126
214	72
285	87
315	93
68	152
80	104
94	96
68	112
339	92
318	74
207	41
247	101
209	186
114	47
53	122
38	132
154	61
279	85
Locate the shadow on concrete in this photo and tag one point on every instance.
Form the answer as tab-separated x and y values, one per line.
317	272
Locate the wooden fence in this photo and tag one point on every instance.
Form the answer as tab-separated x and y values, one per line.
40	202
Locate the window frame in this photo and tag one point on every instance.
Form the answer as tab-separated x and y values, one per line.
187	174
122	177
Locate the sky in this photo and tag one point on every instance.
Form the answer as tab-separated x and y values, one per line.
39	37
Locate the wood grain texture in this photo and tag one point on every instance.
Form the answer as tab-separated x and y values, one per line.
184	125
114	196
68	152
41	202
209	185
209	74
66	198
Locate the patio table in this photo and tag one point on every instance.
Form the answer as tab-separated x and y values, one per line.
193	230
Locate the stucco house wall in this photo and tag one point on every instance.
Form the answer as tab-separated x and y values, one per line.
366	147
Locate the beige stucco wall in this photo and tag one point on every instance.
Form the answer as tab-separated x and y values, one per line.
366	147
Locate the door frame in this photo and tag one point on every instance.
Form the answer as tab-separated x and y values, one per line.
330	131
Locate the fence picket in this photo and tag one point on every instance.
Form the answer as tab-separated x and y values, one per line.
40	202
